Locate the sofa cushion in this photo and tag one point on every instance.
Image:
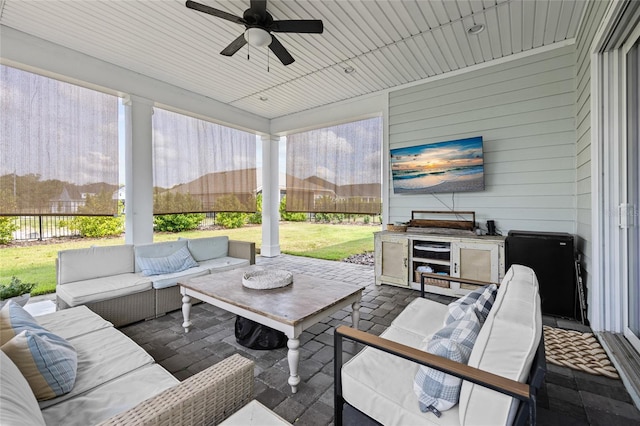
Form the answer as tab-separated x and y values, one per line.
208	248
110	398
170	280
222	264
103	288
103	355
395	402
73	322
177	261
19	406
47	361
505	346
438	391
389	398
481	300
94	262
162	249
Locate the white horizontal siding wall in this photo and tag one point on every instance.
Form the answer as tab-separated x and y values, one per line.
525	112
594	14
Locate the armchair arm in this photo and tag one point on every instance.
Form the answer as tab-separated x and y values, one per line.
243	250
449	278
208	397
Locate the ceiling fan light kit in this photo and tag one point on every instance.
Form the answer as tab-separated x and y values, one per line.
257	37
259	26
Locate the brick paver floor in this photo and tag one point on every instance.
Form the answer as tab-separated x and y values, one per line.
568	397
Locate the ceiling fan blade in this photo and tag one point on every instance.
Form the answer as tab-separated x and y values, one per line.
215	12
297	26
278	49
234	46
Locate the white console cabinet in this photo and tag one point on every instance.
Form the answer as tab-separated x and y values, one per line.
399	255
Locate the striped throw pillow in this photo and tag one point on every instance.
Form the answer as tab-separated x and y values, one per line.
14	319
47	361
180	260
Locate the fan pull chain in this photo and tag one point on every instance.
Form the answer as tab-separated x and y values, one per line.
268	57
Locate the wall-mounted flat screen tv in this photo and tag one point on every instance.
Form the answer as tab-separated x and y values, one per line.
452	166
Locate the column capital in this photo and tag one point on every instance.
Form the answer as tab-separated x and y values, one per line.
131	99
270	138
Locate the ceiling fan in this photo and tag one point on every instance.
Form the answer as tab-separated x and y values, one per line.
259	25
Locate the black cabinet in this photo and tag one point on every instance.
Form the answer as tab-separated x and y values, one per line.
552	257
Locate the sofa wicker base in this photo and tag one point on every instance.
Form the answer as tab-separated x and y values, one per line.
124	309
206	398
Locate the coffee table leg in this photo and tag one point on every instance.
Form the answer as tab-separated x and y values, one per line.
186	312
355	313
293	357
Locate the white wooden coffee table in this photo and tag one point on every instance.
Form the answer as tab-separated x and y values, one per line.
291	309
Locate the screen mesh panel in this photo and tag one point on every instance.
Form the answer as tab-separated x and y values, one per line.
336	169
199	166
58	147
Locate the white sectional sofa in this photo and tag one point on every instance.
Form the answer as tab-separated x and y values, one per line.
116	381
379	381
110	281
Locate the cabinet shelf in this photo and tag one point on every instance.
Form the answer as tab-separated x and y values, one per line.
434	261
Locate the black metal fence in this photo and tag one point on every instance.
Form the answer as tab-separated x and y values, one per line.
45	227
42	227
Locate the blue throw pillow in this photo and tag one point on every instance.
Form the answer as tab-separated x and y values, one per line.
180	260
438	391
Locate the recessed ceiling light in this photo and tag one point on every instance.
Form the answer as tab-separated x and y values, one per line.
264	98
349	70
476	29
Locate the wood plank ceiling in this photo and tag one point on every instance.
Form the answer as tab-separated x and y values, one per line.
387	43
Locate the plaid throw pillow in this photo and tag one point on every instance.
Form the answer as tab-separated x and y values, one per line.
481	300
436	390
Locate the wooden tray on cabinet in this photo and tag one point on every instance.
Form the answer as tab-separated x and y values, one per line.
443	219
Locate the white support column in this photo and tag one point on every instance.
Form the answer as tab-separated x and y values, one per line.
138	205
270	197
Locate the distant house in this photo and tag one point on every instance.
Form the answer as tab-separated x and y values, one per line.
68	202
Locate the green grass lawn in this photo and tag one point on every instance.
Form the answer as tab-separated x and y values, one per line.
36	263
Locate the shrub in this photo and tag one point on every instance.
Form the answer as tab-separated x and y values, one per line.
256	218
367	219
231	220
291	217
230	209
177	222
98	226
7	226
15	288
